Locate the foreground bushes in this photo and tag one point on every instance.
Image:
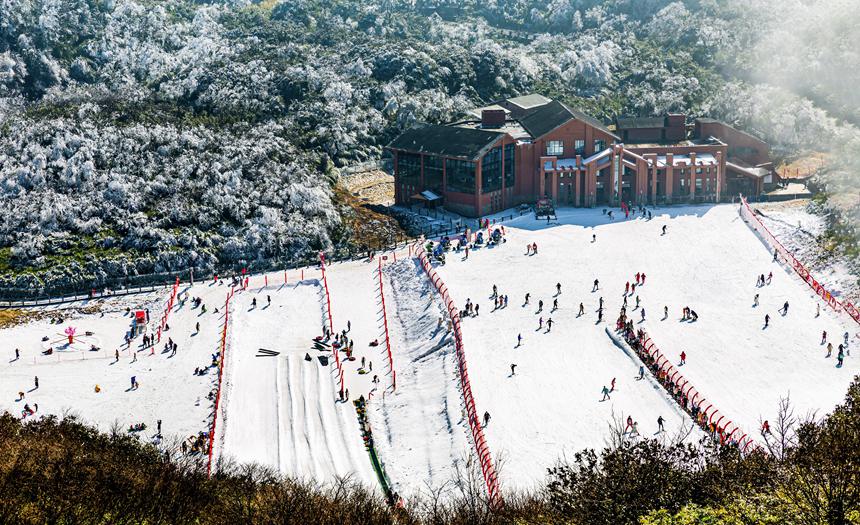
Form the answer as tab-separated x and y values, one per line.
61	471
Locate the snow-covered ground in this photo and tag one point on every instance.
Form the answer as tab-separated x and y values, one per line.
420	428
799	230
281	410
168	390
284	412
708	260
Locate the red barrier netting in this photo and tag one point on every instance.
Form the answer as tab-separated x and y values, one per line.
223	347
385	324
705	414
168	309
483	450
755	223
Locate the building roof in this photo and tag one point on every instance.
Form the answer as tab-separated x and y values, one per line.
545	118
639	122
530	101
757	173
448	141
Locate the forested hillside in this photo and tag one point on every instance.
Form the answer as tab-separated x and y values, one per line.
140	136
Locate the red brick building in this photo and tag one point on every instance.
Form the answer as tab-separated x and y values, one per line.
524	148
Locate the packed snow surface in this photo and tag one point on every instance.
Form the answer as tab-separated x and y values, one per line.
283	411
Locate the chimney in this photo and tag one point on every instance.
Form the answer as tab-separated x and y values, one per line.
492	118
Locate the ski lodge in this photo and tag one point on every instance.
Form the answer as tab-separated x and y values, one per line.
522	149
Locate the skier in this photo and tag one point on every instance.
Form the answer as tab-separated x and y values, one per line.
643	315
845	337
527	299
554	305
36	383
581	310
635	430
495	291
665	312
683	357
540	305
664	230
17	354
476	309
755	300
540	323
558	288
596	285
513	367
116	354
254	303
637	277
769	277
829	349
605	393
348	325
660	424
765	427
197	327
486	418
823	336
133	382
785	308
817	309
775	253
534	248
158	425
528	249
519	340
766	320
601	303
641	372
637	301
612	385
593	237
629	423
627	288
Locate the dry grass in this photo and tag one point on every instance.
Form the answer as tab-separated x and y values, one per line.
368	229
10	317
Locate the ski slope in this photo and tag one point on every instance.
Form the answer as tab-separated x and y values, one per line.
420	428
281	410
708	260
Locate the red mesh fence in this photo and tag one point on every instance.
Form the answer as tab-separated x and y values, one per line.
483	451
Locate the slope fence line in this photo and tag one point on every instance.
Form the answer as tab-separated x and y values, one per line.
682	391
749	217
483	451
221	354
334	349
168	308
385	325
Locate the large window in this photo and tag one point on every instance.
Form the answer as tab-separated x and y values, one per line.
599	145
433	172
491	170
579	147
409	168
461	175
510	166
555	148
